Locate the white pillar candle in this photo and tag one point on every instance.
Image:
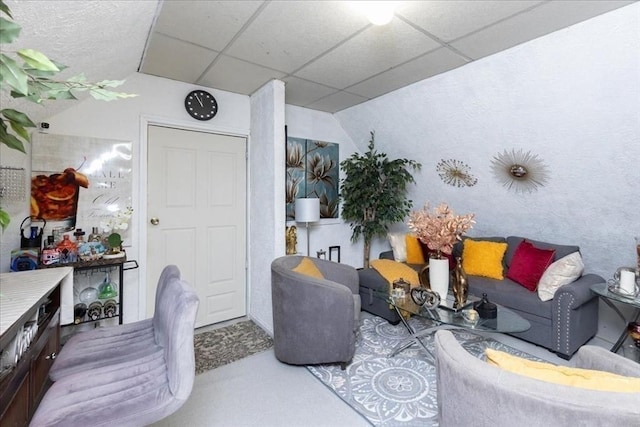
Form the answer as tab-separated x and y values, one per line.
627	281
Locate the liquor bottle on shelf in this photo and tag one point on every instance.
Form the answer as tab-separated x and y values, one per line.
95	235
94	310
68	250
79	311
50	254
110	308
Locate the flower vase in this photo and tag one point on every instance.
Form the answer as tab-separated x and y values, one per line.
439	276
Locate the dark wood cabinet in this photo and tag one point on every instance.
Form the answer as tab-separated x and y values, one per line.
22	388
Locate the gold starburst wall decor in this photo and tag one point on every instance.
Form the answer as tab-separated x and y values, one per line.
519	170
456	173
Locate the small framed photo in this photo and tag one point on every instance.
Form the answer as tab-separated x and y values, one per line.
334	253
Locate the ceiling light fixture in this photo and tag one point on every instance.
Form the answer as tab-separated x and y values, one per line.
377	12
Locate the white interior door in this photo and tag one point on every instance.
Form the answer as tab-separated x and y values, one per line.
196	208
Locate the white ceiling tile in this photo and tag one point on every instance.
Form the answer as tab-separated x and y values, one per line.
336	102
426	66
549	17
287	35
302	92
376	49
449	20
238	76
211	24
186	62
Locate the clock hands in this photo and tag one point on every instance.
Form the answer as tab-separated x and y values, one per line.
198	98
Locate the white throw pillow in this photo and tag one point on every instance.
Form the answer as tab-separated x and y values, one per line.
562	272
398	245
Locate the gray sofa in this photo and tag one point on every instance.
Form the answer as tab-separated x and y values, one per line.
315	320
472	392
561	325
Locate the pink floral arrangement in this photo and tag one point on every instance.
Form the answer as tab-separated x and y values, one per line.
439	229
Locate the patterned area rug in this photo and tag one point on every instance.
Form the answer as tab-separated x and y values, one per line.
225	345
397	391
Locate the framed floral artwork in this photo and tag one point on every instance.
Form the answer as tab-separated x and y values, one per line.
312	171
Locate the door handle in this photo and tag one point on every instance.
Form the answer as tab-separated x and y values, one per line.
155	221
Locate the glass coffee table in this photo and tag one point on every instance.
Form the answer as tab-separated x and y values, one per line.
446	317
608	294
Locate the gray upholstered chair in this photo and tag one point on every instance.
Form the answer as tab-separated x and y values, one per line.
314	320
152	380
472	392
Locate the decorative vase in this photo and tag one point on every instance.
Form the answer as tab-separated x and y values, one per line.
460	284
439	276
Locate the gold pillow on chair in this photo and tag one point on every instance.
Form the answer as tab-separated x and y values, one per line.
308	268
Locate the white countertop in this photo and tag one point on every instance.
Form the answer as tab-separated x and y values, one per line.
20	291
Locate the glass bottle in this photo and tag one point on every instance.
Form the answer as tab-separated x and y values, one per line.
94	311
84	248
68	250
95	235
110	308
79	311
50	254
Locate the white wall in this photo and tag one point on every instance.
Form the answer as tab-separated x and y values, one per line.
312	124
572	97
266	198
161	101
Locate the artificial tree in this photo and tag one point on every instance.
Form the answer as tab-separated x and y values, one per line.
28	74
374	194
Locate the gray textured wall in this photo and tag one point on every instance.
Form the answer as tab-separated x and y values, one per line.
572	97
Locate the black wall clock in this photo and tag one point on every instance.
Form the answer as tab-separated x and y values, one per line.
201	105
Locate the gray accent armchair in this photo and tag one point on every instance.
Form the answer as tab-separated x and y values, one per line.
473	392
314	320
151	380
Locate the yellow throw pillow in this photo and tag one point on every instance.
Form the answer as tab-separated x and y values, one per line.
575	377
308	268
414	250
393	271
483	258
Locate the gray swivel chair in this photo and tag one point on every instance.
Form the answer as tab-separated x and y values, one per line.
145	385
473	392
314	320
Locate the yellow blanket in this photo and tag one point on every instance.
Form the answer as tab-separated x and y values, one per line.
393	271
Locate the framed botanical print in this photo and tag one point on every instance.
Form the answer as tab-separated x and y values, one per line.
312	171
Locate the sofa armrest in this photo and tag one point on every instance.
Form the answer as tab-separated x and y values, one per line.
600	359
578	292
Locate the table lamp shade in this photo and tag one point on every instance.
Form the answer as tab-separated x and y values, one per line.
307	210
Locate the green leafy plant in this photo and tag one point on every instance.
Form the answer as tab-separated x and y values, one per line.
374	194
29	74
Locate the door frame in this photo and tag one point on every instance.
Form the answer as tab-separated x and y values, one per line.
145	121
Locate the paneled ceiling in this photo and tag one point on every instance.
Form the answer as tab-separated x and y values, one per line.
329	55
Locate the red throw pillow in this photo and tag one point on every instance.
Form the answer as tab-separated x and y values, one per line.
528	264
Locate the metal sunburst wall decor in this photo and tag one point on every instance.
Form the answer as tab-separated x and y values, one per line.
519	170
456	173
